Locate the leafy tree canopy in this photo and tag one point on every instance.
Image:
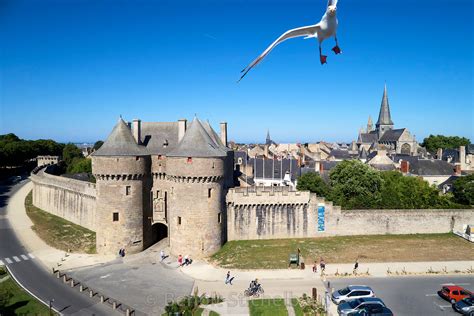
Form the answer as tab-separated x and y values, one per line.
80	165
355	185
432	143
313	182
70	152
463	190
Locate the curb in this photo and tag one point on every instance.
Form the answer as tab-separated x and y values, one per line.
29	292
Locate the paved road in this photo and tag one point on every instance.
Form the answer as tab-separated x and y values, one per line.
411	295
33	276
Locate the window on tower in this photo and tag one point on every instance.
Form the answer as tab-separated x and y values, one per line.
115	217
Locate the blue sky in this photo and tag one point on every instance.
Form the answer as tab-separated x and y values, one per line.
68	69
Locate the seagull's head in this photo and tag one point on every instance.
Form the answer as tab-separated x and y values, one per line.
332	10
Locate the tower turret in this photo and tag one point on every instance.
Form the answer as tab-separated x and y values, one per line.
384	123
196	171
121	168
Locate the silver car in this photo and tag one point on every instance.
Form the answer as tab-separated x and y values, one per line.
350	307
351	292
465	306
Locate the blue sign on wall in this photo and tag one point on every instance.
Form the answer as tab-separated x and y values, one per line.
321	210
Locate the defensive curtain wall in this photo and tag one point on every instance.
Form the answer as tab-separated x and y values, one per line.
277	212
71	199
262	213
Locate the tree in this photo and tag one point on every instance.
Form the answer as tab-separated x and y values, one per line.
70	152
80	165
5	296
432	143
98	144
404	192
313	182
463	190
355	185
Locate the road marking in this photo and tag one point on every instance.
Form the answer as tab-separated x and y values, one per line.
431	295
31	256
105	276
8	260
24	257
16	259
1	263
451	284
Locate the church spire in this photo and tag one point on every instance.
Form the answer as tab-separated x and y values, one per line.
384	114
268	140
370	125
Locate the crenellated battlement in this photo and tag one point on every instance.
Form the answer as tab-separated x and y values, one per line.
194	179
268	196
119	177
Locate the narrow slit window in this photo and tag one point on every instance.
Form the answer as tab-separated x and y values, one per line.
179	220
209	193
115	217
219	218
128	190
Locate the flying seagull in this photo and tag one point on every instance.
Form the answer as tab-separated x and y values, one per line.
326	28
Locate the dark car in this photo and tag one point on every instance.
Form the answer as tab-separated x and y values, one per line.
465	306
352	306
373	310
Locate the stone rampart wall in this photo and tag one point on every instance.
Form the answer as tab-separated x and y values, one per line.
269	214
70	199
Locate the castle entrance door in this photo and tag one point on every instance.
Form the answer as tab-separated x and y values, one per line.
160	231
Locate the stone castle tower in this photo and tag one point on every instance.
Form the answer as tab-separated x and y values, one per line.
171	182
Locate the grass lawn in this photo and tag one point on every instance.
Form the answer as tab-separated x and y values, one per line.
19	301
58	232
268	307
296	307
273	254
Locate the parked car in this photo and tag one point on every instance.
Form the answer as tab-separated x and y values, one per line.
465	306
453	293
373	310
351	292
344	309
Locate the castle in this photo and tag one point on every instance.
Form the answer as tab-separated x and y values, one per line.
166	179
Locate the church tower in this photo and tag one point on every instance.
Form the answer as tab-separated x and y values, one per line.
370	125
384	122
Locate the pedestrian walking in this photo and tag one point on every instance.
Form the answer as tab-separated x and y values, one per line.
322	265
228	278
356	266
315	267
180	260
162	255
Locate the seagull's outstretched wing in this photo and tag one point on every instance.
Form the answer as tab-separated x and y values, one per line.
301	31
332	3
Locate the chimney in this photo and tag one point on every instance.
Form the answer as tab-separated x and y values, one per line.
224	133
266	151
439	154
462	157
404	166
182	124
457	170
137	130
317	166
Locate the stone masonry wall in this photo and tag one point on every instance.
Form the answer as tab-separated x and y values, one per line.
278	213
70	199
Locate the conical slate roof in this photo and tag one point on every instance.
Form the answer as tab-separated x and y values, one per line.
210	131
197	142
384	114
120	143
363	153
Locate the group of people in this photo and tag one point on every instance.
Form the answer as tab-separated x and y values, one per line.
322	265
184	261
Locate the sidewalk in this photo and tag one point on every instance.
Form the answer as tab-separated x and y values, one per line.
47	255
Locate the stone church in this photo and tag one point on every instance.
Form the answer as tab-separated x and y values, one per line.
399	141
